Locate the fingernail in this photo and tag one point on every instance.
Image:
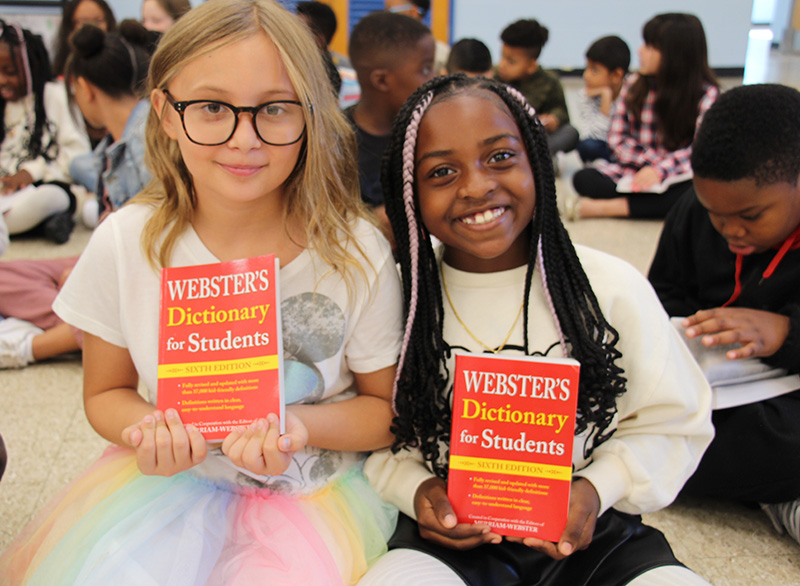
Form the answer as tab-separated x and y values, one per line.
285	443
496	540
450	520
159	416
148	419
272	418
171	414
566	548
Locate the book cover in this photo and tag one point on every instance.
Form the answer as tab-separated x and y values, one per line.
220	352
511	443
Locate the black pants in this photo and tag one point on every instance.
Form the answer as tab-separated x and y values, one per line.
592	183
621	549
755	454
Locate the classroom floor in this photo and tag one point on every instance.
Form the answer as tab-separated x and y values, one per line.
49	440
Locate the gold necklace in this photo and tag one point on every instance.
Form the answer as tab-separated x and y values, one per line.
466	329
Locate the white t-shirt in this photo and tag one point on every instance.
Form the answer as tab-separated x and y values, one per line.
328	334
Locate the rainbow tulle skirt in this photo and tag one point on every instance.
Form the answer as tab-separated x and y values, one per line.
113	526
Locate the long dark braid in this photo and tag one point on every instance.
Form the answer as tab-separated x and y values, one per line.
36	69
422	389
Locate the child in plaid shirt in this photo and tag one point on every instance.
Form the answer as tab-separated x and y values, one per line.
653	123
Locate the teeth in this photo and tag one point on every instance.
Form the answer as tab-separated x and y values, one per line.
483	217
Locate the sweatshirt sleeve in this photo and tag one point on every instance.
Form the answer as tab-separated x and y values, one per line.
396	477
664	417
788	356
555	103
672	272
68	134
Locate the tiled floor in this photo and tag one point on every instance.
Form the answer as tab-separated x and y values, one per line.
49	440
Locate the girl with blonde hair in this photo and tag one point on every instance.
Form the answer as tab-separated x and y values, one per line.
251	156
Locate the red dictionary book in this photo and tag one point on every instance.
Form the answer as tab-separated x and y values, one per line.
220	352
511	443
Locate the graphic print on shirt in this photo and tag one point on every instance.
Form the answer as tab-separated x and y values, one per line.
313	331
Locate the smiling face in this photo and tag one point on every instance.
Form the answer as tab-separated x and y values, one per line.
244	171
474	182
751	218
12	81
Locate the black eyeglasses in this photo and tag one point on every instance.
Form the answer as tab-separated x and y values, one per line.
212	123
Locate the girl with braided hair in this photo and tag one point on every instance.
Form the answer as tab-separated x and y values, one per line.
38	139
469	165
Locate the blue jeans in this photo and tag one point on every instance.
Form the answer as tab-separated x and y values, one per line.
83	171
593	148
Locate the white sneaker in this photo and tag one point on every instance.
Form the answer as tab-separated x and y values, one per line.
16	342
785	517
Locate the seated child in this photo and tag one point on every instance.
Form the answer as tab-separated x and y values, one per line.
482	184
471	57
163	506
107	82
519	67
38	139
607	62
729	259
392	55
653	123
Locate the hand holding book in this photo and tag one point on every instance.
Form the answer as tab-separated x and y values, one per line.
261	449
584	505
437	520
164	445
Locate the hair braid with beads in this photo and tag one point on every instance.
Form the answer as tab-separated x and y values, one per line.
422	387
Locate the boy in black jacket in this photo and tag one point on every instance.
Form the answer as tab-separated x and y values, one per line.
729	259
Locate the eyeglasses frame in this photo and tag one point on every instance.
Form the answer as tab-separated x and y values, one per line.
180	108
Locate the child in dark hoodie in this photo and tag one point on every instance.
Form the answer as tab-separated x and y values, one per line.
729	259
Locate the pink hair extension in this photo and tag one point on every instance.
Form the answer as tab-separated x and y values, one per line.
409	145
23	50
543	274
518	95
539	257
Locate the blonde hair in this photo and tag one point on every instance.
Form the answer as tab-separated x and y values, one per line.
322	191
